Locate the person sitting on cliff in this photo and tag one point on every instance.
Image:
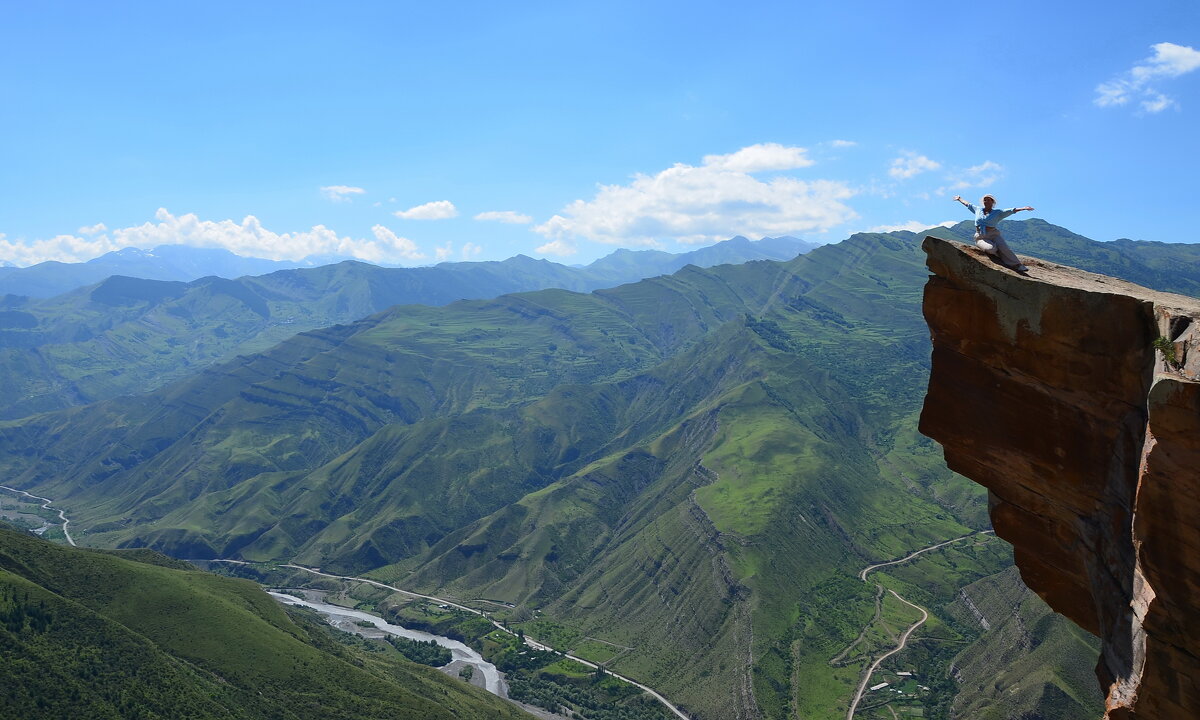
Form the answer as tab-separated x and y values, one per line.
987	237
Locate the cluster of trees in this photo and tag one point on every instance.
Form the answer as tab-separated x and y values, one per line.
17	614
426	652
583	701
519	657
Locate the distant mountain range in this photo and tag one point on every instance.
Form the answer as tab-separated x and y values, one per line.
623	265
183	263
128	334
165	262
694	467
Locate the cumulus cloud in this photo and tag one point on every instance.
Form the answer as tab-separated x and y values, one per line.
471	250
341	193
436	210
978	176
64	248
910	164
764	156
560	247
842	143
1142	80
704	204
247	238
399	246
92	229
505	216
910	226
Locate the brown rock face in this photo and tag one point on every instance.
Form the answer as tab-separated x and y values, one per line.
1074	399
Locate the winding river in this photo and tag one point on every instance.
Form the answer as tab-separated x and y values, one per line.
345	617
47	501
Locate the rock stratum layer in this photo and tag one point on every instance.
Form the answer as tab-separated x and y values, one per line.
1074	399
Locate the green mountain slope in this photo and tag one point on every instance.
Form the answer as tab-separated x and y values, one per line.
127	335
87	634
695	467
591	455
1028	655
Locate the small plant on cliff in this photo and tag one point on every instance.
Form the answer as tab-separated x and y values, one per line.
1167	348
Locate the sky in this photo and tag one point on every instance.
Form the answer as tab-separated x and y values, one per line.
412	133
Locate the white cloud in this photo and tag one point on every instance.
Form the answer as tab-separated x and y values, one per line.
399	246
560	247
703	204
92	229
1168	61
470	250
910	164
910	226
247	238
436	210
978	176
505	216
1157	102
341	193
842	143
64	248
443	252
760	157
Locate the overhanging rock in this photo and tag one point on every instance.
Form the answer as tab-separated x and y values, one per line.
1073	398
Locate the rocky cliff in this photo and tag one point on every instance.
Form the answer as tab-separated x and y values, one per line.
1074	398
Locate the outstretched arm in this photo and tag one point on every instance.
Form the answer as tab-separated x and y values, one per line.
966	204
1010	211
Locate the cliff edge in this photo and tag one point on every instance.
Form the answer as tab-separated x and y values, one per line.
1074	399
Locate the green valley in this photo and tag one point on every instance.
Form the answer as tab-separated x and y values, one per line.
692	469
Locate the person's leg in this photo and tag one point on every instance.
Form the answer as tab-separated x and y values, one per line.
1007	256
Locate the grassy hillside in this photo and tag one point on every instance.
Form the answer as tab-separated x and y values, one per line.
135	635
1028	656
635	462
695	467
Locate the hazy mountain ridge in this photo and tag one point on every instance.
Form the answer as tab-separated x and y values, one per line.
128	335
165	262
186	263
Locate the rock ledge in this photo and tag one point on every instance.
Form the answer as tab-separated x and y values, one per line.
1074	398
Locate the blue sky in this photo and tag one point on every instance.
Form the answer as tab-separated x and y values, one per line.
410	133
